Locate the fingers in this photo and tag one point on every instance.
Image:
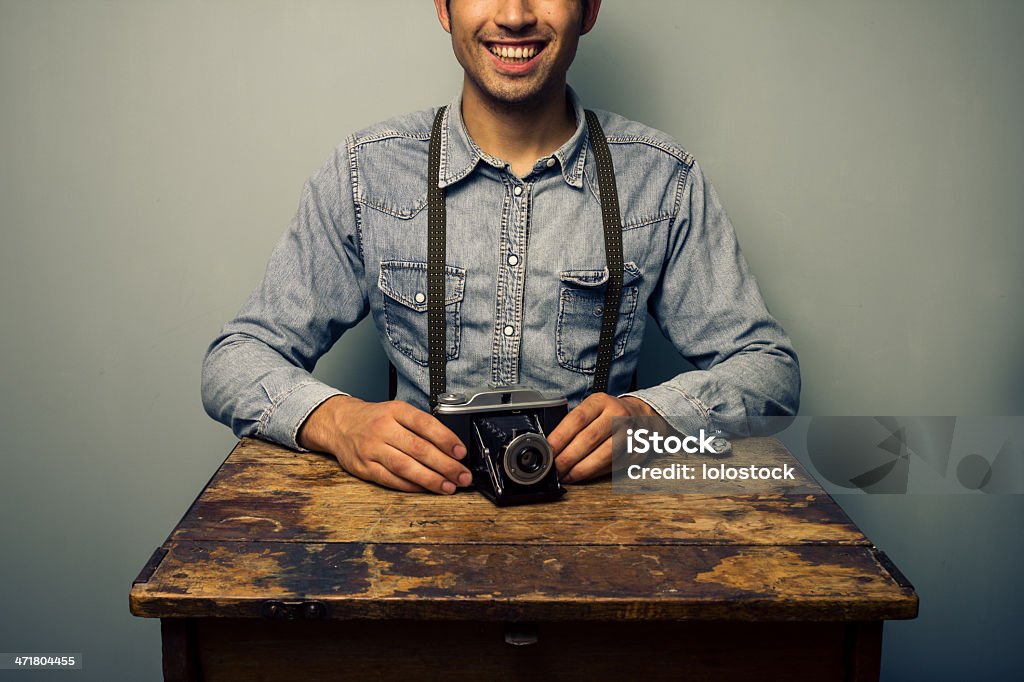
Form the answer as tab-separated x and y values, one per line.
377	473
394	469
426	454
598	463
430	428
403	466
574	422
587	434
584	443
400	446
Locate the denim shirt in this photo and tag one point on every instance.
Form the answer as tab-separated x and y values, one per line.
524	281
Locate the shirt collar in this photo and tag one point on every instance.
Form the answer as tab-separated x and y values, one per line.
460	155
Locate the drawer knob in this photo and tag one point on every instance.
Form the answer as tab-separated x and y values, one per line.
521	634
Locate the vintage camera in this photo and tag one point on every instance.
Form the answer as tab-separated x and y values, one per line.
504	432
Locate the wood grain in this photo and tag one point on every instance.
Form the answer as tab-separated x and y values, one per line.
278	525
266	493
506	582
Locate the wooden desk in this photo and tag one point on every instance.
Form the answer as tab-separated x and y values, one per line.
286	568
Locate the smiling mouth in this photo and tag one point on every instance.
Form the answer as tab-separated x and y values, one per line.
515	54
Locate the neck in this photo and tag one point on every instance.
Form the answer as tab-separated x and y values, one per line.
518	134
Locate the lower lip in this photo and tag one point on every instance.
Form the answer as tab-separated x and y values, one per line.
514	69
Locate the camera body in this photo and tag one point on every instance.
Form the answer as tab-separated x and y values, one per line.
504	430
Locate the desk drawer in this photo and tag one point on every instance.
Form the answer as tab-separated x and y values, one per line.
251	649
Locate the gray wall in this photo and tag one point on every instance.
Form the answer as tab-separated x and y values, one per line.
152	152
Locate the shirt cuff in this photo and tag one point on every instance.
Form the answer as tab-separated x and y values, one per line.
683	412
281	423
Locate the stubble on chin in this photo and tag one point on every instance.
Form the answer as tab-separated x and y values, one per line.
510	93
502	92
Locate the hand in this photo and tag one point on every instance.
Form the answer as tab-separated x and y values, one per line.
392	443
582	441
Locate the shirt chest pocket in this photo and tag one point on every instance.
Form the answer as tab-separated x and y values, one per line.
580	309
404	288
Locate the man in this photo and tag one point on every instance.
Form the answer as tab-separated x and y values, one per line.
524	277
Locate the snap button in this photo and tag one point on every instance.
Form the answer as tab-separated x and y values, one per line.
518	190
509	330
513	260
551	162
420	297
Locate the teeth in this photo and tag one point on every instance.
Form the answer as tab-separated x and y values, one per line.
514	53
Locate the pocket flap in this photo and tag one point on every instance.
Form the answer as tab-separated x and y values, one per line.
599	278
406	282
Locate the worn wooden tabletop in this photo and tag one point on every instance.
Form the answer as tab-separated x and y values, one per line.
279	525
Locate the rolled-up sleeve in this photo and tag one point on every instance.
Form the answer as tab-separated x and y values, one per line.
708	305
256	373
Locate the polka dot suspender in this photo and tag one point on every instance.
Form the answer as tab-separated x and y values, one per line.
437	220
612	250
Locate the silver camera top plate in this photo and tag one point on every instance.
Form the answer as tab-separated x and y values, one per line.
502	397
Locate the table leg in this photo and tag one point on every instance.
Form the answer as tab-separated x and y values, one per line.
863	651
181	661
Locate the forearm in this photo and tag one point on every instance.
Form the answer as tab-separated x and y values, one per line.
251	388
735	396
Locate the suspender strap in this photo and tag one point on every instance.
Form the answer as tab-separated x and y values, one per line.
612	251
436	240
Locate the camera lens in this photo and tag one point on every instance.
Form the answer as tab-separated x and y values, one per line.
528	458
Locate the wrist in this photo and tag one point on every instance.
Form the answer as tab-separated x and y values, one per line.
637	407
316	433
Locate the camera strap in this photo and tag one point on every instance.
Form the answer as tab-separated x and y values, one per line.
437	240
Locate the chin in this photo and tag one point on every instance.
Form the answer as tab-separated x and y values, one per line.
514	96
517	100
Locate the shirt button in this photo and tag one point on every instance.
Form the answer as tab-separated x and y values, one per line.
551	162
518	190
513	259
509	330
420	297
